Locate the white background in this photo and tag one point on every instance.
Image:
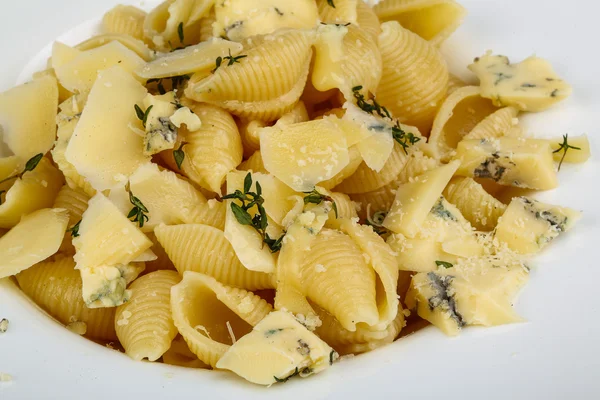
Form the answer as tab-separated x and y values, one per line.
556	355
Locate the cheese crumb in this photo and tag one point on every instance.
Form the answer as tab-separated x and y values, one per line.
3	325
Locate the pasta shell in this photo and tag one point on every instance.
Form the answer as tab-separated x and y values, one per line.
415	76
75	201
254	163
250	135
126	20
458	115
204	249
144	324
56	287
479	207
495	125
433	20
344	11
162	261
210	316
137	46
206	26
264	85
367	19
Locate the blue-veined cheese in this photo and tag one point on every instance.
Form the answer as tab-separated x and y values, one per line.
531	85
525	163
106	286
278	348
528	225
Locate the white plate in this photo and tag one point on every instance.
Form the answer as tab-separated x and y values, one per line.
555	355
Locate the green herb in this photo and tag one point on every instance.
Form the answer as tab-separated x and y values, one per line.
74	229
142	115
332	355
179	155
564	146
331	4
30	165
315	197
444	264
138	212
283	380
372	107
231	60
180	32
176	82
258	221
377	222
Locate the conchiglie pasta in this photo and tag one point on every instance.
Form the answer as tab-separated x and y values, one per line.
367	19
162	262
254	163
433	20
56	287
415	76
206	26
344	11
179	354
458	115
346	208
264	85
144	325
213	150
211	213
338	279
455	83
355	161
137	46
250	135
366	180
127	20
479	207
35	190
495	125
210	316
75	201
295	115
204	249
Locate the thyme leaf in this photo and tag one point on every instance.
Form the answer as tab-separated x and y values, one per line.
138	212
231	60
142	115
74	229
179	155
30	165
315	197
444	264
331	3
564	146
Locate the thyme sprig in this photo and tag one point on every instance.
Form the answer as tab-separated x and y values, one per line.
258	221
376	222
564	146
179	155
231	60
331	3
180	32
176	82
142	115
315	197
444	264
138	212
74	230
30	165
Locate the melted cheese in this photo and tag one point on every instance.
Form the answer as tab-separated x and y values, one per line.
531	85
528	225
37	237
414	200
105	150
327	71
525	163
240	19
81	72
277	348
477	291
304	154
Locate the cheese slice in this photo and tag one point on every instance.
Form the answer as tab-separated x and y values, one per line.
576	156
79	74
27	118
477	291
37	237
304	154
199	58
531	85
277	348
525	163
169	199
414	200
107	237
105	150
62	54
528	225
240	19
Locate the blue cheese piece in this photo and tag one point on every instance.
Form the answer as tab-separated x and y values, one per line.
476	291
525	163
278	348
106	286
531	85
161	132
528	225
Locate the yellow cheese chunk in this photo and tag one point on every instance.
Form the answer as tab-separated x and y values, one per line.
531	85
106	286
105	150
477	291
528	225
23	132
169	199
240	19
199	58
525	163
414	200
62	54
107	237
576	156
277	348
304	154
80	74
37	237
